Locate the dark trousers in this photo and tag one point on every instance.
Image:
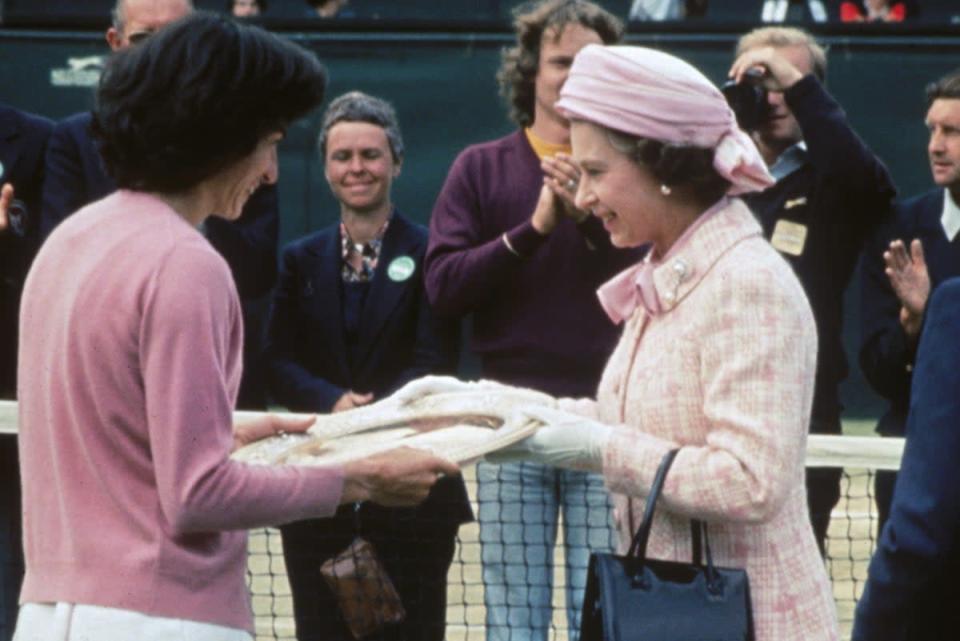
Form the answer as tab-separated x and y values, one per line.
883	484
823	494
11	541
416	552
823	485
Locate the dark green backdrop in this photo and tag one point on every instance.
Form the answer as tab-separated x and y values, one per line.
442	84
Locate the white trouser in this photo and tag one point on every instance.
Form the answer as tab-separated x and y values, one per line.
72	622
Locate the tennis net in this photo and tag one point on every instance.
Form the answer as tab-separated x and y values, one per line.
851	542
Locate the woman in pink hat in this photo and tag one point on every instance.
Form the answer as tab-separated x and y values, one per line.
718	351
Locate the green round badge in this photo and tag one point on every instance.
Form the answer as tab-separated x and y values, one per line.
401	268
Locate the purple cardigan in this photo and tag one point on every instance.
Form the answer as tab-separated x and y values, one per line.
537	321
129	367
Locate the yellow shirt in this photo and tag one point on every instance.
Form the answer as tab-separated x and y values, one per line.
545	149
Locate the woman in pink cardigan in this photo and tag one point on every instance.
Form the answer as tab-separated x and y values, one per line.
135	517
718	351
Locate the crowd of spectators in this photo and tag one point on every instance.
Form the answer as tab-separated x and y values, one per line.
790	11
743	11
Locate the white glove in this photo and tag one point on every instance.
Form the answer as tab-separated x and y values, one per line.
564	440
427	386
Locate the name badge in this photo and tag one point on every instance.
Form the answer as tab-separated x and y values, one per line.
401	268
789	237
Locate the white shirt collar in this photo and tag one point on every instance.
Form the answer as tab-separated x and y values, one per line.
792	159
950	219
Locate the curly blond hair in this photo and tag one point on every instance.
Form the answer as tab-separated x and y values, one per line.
532	22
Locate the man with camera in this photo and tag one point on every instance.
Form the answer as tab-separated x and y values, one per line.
831	193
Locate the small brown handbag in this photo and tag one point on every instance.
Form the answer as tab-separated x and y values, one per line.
367	597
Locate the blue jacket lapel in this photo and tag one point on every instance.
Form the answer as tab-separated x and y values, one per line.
385	292
326	254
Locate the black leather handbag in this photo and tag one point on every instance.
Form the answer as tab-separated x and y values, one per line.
632	598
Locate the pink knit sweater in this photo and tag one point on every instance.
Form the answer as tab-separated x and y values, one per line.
129	366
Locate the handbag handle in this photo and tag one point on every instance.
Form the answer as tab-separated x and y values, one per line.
699	532
698	528
638	546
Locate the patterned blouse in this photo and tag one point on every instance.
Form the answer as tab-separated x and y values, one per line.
360	259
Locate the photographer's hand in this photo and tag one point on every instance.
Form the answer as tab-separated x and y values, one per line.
6	199
778	73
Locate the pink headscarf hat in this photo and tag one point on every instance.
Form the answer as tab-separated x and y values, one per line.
651	94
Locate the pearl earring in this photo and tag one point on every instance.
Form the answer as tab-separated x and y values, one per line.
665	190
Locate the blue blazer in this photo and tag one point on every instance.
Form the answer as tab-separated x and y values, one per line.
23	138
75	177
400	339
911	592
886	358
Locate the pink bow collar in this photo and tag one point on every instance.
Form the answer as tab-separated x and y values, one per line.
621	295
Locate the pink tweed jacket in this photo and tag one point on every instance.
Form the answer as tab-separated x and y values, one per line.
725	372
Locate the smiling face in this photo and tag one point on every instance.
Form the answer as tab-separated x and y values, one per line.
617	190
943	122
556	56
233	186
359	166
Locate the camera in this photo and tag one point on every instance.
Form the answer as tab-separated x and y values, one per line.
748	100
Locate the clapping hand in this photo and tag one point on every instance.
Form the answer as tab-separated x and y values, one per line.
6	199
562	177
910	280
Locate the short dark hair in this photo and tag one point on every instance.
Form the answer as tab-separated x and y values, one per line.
357	106
946	87
681	166
519	63
197	97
